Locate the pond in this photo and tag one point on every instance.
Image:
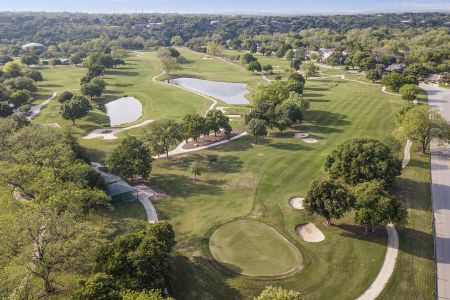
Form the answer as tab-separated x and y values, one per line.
229	92
123	110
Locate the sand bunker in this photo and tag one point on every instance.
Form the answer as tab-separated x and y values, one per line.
222	108
301	135
296	202
309	233
310	140
205	57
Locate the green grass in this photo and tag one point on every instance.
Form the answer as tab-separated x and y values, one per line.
213	69
256	181
413	277
133	79
248	247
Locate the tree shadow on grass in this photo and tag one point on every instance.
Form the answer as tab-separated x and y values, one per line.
224	164
244	143
121	73
312	95
176	185
319	100
289	146
122	84
406	190
317	129
49	85
412	241
199	278
327	118
316	89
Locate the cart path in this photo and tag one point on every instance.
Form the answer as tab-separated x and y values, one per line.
390	258
144	193
180	150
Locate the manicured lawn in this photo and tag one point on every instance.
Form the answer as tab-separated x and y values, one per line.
242	245
256	181
133	79
413	277
213	69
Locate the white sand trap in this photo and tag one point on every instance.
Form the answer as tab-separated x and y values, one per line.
310	140
296	202
309	233
301	135
233	116
205	57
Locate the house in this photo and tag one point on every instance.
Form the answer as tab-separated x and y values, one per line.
395	68
325	52
433	78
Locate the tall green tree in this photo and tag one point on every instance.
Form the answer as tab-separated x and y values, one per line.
5	110
409	92
329	199
258	128
394	80
361	160
75	108
47	242
75	59
194	126
99	286
216	120
254	66
139	260
12	69
162	134
169	61
131	158
422	124
195	169
374	206
309	69
29	60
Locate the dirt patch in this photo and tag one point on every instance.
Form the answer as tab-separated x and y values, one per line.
209	139
310	233
260	154
243	183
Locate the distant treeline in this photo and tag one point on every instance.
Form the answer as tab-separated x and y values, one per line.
54	28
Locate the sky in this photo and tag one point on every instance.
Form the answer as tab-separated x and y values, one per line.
228	6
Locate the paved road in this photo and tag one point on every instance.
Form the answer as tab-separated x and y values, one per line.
439	98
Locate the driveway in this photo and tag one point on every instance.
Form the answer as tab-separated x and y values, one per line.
439	98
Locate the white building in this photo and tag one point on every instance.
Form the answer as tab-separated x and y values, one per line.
32	45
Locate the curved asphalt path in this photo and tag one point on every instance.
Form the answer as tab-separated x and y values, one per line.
439	98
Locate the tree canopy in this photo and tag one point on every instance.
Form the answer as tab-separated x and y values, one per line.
362	160
329	199
131	158
422	124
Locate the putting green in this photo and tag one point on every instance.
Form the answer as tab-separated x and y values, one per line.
253	248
